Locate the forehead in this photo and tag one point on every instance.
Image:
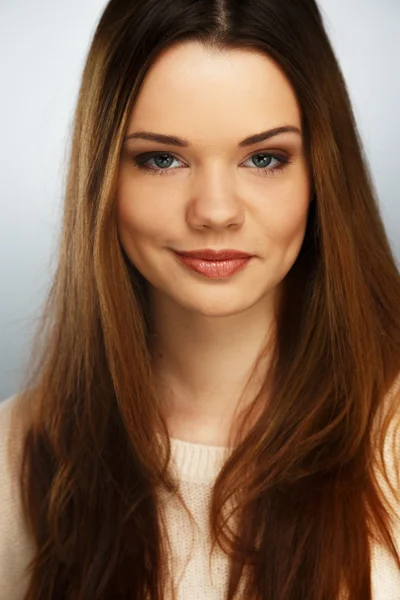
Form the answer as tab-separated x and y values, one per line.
209	95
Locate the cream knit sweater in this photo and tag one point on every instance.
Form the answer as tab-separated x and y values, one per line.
197	466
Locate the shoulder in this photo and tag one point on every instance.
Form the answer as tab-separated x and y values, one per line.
385	576
394	391
11	433
16	547
10	440
386	453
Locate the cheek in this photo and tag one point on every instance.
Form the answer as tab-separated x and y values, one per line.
285	218
285	228
138	216
290	226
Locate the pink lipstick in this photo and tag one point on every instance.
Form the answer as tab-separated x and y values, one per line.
215	264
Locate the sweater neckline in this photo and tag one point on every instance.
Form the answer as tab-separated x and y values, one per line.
197	463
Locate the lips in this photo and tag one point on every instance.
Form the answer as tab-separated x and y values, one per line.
215	255
215	269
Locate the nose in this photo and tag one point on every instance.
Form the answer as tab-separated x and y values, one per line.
214	201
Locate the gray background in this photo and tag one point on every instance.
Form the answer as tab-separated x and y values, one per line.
43	45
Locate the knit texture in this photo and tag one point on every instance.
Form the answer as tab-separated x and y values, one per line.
194	575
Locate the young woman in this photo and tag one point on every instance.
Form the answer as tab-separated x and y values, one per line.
213	407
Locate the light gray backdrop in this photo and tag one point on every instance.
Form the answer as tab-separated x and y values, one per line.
43	45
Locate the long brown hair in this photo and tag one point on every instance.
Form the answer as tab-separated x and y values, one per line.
96	446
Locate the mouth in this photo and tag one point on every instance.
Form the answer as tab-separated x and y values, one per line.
215	255
215	269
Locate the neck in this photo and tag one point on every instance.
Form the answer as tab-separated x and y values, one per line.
203	363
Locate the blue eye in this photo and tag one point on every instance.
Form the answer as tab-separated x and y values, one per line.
268	158
164	162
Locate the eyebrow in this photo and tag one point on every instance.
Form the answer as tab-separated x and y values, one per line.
176	141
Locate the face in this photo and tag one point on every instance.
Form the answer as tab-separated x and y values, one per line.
213	192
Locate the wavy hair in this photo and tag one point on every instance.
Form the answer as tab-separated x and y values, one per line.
96	448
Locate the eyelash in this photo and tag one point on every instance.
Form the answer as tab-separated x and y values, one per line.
141	159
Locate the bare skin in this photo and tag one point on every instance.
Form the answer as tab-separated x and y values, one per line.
211	195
